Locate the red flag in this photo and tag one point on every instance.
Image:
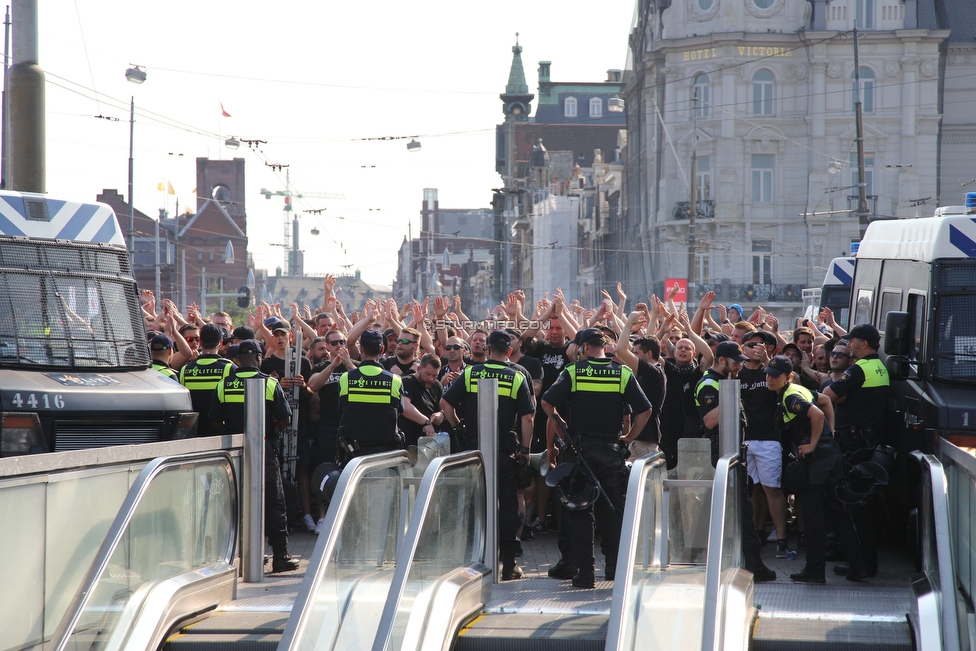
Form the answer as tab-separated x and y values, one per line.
223	111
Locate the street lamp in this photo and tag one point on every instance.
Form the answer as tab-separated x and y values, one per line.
232	143
136	75
413	145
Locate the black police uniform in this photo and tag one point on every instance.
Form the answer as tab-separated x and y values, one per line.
824	469
371	400
858	424
514	402
706	399
327	430
227	408
201	376
597	390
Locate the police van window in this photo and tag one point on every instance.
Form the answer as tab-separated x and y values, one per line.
955	343
890	302
916	309
864	305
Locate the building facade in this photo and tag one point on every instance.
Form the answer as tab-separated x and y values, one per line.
761	93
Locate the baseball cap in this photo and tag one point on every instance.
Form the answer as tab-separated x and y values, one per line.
211	334
730	350
864	331
794	347
232	351
279	326
249	347
499	337
767	337
779	365
243	332
716	337
585	335
609	333
371	337
161	342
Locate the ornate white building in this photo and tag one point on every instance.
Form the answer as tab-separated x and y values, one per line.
762	92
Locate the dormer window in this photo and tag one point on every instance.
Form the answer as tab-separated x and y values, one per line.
569	107
596	107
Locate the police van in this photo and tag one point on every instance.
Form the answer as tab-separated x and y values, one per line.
74	362
836	290
915	280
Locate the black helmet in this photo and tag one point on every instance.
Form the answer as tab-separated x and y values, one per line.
861	484
883	455
575	488
324	481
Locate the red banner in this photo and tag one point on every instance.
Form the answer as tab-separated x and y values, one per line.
681	297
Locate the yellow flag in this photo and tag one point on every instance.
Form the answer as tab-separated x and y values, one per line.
167	185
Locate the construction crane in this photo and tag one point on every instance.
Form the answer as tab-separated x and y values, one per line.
293	255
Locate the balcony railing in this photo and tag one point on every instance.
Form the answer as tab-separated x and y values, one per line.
749	293
682	209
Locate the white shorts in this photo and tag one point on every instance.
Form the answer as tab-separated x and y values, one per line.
764	460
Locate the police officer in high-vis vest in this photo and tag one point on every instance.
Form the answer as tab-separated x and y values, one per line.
227	414
860	397
597	390
161	349
516	413
371	400
728	361
807	418
202	375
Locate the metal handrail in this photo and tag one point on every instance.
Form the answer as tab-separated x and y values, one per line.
325	548
713	619
619	634
425	496
937	547
121	523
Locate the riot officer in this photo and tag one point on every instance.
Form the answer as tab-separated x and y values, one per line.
860	396
597	391
807	419
202	375
227	413
161	349
515	414
371	400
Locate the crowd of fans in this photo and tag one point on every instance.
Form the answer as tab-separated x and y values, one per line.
677	357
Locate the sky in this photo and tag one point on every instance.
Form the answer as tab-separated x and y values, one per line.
319	82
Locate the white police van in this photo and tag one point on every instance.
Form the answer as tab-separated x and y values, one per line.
915	279
74	362
836	290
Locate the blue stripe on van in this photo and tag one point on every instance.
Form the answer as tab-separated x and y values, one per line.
962	241
841	274
108	230
78	221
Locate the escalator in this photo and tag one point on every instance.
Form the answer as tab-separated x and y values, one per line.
404	567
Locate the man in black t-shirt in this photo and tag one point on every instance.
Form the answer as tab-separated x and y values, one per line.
644	359
422	401
405	360
764	455
679	416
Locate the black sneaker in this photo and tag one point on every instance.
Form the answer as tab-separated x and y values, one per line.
562	570
782	549
763	574
527	534
285	563
610	570
808	577
512	571
585	580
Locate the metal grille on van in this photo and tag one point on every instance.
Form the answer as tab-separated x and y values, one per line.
80	435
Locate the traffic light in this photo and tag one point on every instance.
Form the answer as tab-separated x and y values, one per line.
244	296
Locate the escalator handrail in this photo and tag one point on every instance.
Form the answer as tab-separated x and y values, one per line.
345	488
935	505
713	617
425	496
633	510
121	523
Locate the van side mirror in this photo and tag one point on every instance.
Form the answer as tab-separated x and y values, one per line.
896	333
897	367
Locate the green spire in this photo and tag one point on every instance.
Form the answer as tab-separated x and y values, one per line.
516	77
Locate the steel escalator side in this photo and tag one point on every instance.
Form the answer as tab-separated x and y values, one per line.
345	586
168	556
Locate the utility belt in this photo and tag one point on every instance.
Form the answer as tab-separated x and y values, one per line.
853	438
350	448
598	443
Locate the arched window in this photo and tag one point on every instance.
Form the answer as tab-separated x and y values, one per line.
569	107
700	91
596	107
763	4
705	5
867	90
762	93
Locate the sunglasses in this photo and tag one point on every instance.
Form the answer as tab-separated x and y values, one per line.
336	342
833	354
753	344
406	341
452	347
193	338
